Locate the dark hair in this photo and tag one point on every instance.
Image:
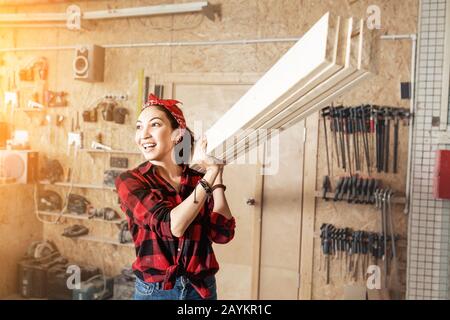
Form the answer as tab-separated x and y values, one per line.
180	155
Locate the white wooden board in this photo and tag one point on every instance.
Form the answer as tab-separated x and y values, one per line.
313	53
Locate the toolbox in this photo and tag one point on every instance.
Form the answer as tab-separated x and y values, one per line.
32	278
98	287
57	281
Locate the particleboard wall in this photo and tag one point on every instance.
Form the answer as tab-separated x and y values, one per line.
18	228
240	20
393	64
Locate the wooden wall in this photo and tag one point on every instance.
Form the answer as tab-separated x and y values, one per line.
241	19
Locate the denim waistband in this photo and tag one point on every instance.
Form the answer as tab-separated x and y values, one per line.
183	280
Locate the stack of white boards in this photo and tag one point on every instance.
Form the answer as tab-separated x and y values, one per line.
330	59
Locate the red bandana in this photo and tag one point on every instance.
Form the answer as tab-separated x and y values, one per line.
170	105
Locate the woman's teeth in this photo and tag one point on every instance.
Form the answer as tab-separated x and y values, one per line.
148	146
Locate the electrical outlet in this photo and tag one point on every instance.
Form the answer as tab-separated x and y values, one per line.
116	162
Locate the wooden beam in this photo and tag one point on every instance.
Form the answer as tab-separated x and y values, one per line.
257	225
309	56
237	144
308	208
338	61
317	98
31	2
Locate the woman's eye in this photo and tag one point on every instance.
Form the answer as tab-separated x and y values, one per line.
155	124
138	127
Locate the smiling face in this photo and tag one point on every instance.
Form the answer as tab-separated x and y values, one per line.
155	135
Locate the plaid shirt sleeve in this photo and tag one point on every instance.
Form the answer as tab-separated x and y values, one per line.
220	229
145	206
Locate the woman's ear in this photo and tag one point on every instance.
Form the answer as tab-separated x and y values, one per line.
176	136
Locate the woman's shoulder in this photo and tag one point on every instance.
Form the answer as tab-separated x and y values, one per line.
135	174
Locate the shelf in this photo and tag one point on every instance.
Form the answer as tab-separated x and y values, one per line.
30	109
79	217
9	184
111	151
330	196
104	240
78	185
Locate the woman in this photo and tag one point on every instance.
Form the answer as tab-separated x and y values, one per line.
174	212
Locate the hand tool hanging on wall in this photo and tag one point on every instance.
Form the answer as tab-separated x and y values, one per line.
385	234
355	189
326	185
355	133
358	130
396	115
325	244
353	268
147	88
361	189
347	129
389	195
373	131
379	127
364	252
373	248
341	135
394	278
358	248
77	126
140	100
344	188
334	130
159	90
383	199
338	189
365	127
55	98
405	116
387	131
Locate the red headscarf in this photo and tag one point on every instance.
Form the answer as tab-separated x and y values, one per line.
170	105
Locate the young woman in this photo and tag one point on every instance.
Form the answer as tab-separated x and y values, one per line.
174	212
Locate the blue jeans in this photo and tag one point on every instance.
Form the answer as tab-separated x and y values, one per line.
182	290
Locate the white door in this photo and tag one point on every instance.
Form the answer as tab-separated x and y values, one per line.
205	99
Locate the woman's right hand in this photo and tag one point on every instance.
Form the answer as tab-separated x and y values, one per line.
205	161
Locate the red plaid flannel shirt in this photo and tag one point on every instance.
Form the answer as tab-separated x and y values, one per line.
147	199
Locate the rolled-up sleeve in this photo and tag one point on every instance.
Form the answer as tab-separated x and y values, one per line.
221	229
144	205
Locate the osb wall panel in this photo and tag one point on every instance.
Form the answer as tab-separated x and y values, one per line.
393	61
240	20
18	228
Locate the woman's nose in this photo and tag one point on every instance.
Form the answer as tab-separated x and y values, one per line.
145	133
